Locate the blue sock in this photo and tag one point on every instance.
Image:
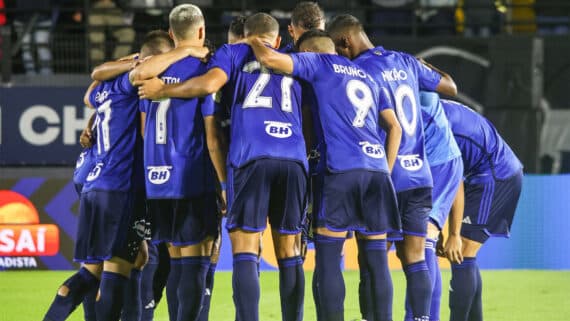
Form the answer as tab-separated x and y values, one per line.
418	289
245	282
476	313
111	296
132	307
79	284
380	279
462	289
330	282
88	303
208	293
147	293
291	288
364	287
435	275
172	288
316	297
193	270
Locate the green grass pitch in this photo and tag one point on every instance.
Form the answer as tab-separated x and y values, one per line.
508	295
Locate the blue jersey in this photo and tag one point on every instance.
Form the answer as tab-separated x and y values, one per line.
440	144
345	114
485	154
116	102
404	75
176	158
265	109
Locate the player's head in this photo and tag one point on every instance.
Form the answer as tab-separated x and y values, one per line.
187	23
155	43
263	26
235	32
316	40
306	15
348	34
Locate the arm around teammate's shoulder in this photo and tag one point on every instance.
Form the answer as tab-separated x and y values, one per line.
271	58
446	84
157	64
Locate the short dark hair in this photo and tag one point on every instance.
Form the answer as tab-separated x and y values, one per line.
311	34
342	23
307	15
236	26
259	24
155	41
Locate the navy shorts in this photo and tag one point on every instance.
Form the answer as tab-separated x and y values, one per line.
110	224
414	206
186	221
490	208
359	200
268	188
446	179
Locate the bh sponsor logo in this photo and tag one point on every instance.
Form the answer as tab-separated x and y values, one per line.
158	174
278	129
411	162
21	235
372	150
394	75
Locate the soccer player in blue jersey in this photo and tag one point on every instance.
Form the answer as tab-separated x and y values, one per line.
492	184
111	225
305	16
267	160
404	76
446	166
181	145
354	190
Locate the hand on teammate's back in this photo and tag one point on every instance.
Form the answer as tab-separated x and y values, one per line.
150	89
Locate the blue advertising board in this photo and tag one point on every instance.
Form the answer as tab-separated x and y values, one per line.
540	238
41	125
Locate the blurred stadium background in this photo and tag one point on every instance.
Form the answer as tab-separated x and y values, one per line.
510	59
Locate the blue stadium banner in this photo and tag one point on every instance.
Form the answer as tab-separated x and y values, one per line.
41	125
38	226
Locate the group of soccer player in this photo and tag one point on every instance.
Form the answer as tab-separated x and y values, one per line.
389	161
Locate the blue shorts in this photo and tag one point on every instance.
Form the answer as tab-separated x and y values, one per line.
414	206
186	221
446	179
359	200
268	187
490	208
110	224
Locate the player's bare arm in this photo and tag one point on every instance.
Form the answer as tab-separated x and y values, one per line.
218	153
270	58
391	126
112	69
453	245
446	85
87	134
207	84
157	64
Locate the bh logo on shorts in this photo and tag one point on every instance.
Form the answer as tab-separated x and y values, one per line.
158	174
94	173
411	162
278	129
372	150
